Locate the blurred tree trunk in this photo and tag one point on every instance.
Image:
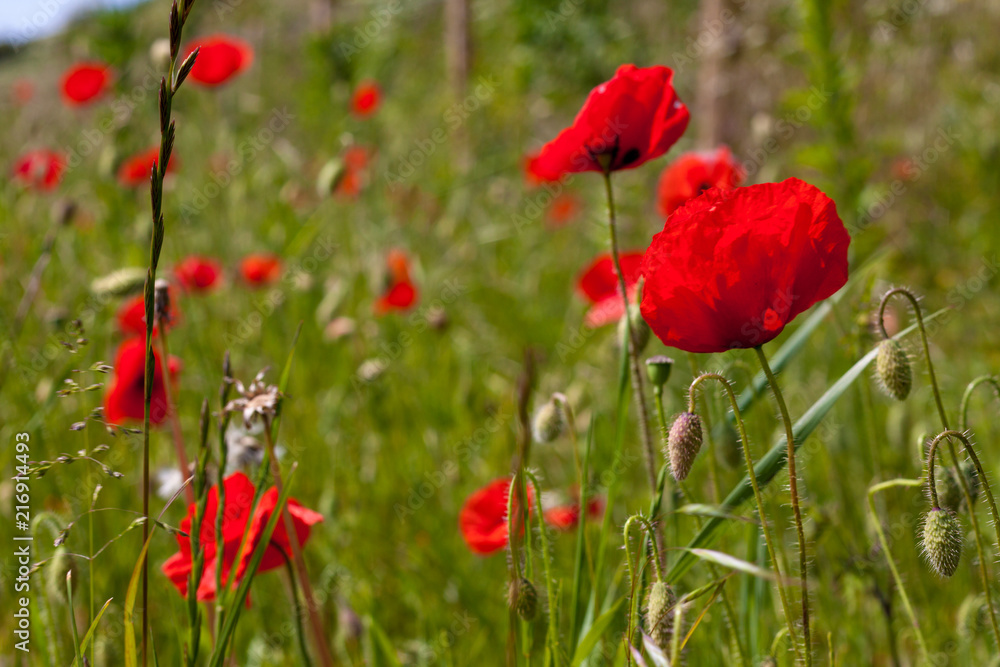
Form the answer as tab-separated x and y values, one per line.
710	83
458	54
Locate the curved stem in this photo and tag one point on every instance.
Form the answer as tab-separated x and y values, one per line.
751	473
793	485
963	411
932	451
888	556
923	340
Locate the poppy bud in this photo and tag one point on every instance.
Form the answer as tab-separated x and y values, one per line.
161	300
683	444
330	176
769	661
942	541
892	368
973	619
640	330
658	369
727	444
659	617
548	422
949	490
524	598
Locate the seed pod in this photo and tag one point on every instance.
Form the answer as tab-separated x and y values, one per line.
658	369
524	598
942	541
683	444
640	330
949	490
892	368
548	423
659	614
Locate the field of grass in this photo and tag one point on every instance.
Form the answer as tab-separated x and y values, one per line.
395	419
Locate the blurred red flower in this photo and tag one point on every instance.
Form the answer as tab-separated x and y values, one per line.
132	315
85	82
563	209
259	270
40	169
221	58
631	119
693	173
483	519
236	513
135	171
732	267
599	285
22	91
355	163
198	274
366	99
124	400
400	293
566	517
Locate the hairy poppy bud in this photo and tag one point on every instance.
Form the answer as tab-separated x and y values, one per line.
973	616
727	444
524	599
640	330
659	617
548	422
658	369
683	444
949	489
892	368
769	661
942	541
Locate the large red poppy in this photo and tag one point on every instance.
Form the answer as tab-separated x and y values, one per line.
85	82
366	99
132	315
124	400
400	293
198	274
236	513
483	519
631	119
732	267
135	170
220	59
693	173
40	169
260	270
599	285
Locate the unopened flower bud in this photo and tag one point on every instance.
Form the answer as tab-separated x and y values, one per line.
548	423
161	300
892	368
524	599
640	330
659	614
658	369
683	443
942	541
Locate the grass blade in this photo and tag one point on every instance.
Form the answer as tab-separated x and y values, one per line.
597	630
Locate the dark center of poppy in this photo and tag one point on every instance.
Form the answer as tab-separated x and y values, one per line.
631	155
705	185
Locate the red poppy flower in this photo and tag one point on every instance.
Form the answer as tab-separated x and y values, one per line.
85	82
132	315
732	267
198	274
221	58
566	517
353	180
631	119
563	209
366	99
135	171
483	519
599	285
40	169
124	399
400	294
693	173
260	270
236	513
22	91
